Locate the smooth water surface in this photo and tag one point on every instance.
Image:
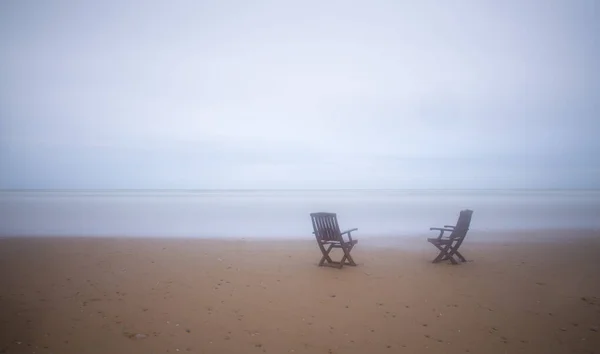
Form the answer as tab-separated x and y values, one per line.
286	213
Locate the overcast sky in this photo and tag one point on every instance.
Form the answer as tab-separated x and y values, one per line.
300	94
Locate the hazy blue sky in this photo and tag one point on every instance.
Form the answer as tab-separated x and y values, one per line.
299	94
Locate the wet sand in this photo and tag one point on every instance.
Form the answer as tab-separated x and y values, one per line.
107	295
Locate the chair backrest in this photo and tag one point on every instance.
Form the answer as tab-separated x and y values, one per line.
462	224
325	226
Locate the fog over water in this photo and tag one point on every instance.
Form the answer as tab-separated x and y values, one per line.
284	214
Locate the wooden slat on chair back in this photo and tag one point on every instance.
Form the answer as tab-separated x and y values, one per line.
462	225
325	226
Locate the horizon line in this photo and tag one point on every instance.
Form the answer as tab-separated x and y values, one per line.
279	189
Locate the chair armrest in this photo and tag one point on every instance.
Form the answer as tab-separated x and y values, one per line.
441	230
349	234
449	226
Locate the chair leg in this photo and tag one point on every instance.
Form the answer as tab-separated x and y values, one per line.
450	255
445	254
325	255
452	260
454	251
460	256
441	255
348	257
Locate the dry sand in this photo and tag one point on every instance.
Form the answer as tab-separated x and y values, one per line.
214	296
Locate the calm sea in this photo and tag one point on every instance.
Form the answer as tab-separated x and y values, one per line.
286	213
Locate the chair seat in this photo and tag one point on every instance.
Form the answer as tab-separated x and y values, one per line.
336	243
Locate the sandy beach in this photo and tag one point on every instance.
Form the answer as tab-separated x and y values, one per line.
109	295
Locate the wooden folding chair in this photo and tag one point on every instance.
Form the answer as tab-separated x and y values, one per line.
449	245
328	235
